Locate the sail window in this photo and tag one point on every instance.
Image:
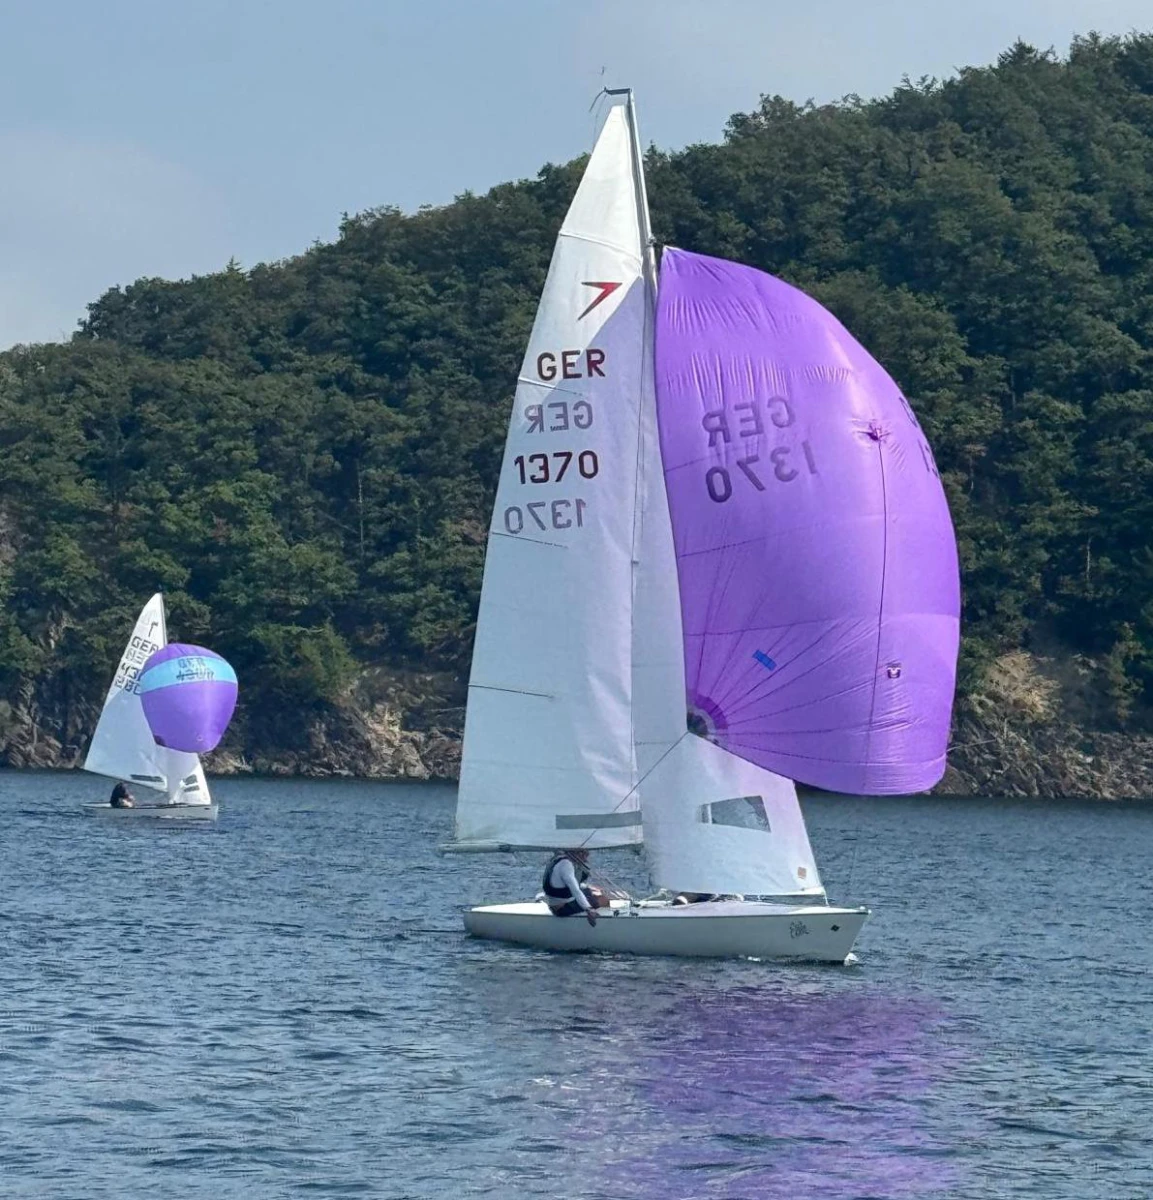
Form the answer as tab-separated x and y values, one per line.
742	812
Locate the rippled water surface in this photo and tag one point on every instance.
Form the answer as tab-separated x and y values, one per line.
285	1004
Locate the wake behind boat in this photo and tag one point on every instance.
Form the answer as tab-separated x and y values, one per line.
720	560
127	747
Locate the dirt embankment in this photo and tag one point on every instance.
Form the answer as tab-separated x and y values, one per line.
1037	725
392	725
1045	725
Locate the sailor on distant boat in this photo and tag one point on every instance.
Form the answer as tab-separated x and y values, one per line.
121	796
564	886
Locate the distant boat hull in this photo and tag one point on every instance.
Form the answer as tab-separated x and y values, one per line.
712	929
156	812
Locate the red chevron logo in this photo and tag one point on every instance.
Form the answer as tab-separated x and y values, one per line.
606	290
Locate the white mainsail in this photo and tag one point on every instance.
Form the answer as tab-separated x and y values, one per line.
548	758
122	746
576	712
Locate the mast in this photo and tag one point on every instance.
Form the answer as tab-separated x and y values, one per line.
642	198
646	425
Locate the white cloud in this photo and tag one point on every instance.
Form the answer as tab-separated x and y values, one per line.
78	216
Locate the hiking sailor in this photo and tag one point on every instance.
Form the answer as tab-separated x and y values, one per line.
121	796
564	886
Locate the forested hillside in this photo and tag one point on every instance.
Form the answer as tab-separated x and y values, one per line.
303	455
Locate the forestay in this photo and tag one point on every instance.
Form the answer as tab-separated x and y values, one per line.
548	758
123	746
818	567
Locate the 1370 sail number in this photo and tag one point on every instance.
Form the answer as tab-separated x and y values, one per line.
545	514
719	480
535	468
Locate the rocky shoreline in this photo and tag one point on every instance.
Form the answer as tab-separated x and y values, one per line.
1056	760
1047	725
1030	731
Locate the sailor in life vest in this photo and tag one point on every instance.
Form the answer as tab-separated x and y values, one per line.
121	796
564	886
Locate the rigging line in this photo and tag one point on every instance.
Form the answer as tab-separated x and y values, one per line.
640	781
646	410
716	599
853	862
717	596
601	101
611	884
881	601
640	478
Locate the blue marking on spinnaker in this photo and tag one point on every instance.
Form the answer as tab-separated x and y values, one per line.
191	669
764	659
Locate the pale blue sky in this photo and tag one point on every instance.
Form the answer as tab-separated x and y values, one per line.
139	137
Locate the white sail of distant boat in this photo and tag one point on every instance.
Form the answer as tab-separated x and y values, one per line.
123	747
576	733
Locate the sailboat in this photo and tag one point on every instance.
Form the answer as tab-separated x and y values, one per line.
720	562
123	746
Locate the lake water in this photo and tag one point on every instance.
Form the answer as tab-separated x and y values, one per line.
285	1004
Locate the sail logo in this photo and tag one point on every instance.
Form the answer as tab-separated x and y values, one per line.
604	291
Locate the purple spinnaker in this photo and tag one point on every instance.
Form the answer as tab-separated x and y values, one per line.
817	563
188	695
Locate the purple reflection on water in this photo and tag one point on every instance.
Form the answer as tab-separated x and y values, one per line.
761	1095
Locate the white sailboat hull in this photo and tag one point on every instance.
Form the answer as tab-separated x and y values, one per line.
161	812
713	929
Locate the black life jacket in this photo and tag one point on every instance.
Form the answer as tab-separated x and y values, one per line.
561	893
